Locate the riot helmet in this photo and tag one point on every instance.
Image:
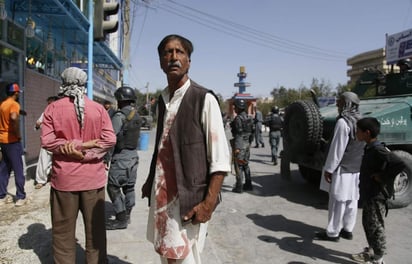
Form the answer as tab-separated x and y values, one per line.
240	104
125	93
403	62
275	109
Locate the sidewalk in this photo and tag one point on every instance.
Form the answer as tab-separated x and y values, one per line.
26	231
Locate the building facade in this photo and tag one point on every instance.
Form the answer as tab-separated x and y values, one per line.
375	59
38	40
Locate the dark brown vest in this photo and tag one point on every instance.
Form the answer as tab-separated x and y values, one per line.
189	148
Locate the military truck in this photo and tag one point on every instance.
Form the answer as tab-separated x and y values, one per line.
308	129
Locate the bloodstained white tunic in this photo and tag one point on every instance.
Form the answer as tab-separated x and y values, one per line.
170	238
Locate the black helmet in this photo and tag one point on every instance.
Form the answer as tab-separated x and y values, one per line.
275	109
125	94
240	103
403	61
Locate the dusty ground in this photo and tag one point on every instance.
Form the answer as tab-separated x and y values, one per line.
16	247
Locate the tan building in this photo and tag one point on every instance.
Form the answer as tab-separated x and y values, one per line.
371	59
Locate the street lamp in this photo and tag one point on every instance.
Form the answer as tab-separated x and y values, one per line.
30	25
50	41
3	12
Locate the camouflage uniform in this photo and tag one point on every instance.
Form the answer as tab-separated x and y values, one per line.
373	224
242	132
375	161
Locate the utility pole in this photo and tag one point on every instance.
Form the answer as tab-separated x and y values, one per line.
147	96
90	53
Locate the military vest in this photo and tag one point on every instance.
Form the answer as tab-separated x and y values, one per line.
128	137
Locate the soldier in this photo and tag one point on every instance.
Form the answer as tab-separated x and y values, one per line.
258	120
275	124
242	132
124	158
404	65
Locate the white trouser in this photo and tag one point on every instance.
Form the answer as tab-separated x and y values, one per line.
43	166
196	249
342	214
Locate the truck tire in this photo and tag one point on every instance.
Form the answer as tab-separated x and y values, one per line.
312	176
303	127
403	183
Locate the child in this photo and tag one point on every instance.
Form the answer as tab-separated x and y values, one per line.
378	165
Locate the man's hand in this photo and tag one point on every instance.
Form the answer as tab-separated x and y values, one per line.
146	190
70	150
106	165
38	124
91	144
328	176
201	213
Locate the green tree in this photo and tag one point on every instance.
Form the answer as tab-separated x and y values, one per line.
322	87
343	88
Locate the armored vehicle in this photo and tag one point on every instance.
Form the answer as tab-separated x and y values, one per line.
308	128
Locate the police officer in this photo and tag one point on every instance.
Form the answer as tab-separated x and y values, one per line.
258	128
124	158
242	131
275	127
404	65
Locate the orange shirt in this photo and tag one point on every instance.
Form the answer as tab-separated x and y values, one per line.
7	134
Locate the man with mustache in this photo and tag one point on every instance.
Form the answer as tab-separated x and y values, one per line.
190	160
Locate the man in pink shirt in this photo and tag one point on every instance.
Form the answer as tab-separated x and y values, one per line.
78	132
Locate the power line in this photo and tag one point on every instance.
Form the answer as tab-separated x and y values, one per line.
258	40
249	34
253	31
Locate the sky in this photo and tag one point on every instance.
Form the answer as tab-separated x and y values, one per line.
280	43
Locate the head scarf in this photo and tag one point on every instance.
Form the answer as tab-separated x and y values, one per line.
350	111
73	85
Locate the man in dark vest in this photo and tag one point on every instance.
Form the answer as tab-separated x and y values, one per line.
242	132
190	160
124	158
341	171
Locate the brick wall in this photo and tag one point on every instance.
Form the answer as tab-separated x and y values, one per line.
37	87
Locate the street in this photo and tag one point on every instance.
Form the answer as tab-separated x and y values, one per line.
274	223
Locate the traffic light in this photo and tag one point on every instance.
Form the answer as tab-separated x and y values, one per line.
101	23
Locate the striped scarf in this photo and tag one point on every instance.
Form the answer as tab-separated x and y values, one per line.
350	111
74	81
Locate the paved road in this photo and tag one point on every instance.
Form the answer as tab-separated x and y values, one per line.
274	223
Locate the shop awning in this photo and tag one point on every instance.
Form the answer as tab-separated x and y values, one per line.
67	25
